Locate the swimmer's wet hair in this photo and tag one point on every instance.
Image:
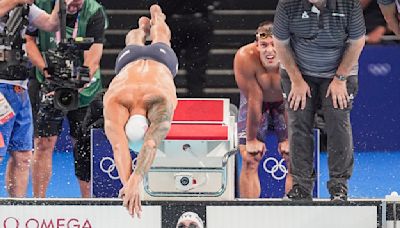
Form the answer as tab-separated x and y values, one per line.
264	30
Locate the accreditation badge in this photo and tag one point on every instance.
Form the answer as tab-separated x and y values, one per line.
6	111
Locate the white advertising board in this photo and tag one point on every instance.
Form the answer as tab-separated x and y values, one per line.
292	216
75	216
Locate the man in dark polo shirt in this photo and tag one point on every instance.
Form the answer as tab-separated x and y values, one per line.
390	10
318	43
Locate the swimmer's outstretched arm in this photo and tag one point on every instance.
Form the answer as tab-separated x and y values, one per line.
115	118
160	116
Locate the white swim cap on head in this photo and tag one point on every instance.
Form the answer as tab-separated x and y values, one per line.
192	217
135	129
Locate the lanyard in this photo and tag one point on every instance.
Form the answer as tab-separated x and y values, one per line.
74	33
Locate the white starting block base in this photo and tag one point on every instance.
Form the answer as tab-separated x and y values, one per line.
208	178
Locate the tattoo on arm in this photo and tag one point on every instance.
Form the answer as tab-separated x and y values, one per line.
160	115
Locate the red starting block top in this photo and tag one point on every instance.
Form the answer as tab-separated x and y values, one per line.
198	132
197	119
199	110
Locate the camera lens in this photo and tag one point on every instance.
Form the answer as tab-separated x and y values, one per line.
66	98
184	181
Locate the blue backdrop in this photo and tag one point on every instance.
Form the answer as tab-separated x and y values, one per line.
376	113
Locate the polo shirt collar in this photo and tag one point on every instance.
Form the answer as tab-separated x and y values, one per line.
330	4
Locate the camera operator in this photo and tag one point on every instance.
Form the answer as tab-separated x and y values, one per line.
15	115
85	18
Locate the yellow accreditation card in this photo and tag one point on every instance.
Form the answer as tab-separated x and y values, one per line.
6	111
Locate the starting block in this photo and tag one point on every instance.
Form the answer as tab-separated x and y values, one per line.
195	159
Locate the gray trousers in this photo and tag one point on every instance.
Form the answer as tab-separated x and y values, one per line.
338	129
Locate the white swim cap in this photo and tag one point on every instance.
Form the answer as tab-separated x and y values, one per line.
192	217
135	129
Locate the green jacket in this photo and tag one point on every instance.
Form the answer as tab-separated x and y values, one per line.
47	41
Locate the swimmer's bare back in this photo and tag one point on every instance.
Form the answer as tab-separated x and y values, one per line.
139	82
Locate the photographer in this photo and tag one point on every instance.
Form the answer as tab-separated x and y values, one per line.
85	18
15	116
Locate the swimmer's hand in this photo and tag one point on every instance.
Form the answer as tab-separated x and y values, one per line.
130	195
283	149
255	147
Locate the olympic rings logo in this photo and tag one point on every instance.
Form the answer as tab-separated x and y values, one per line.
276	168
379	69
107	165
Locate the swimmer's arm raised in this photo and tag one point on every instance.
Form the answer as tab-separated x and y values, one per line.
160	116
115	117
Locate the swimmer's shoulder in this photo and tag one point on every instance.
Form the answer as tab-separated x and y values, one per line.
247	51
247	56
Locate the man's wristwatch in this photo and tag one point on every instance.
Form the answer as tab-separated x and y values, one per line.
340	77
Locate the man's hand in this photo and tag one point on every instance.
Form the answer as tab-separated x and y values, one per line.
7	5
255	147
50	94
283	149
130	195
338	90
376	35
297	96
